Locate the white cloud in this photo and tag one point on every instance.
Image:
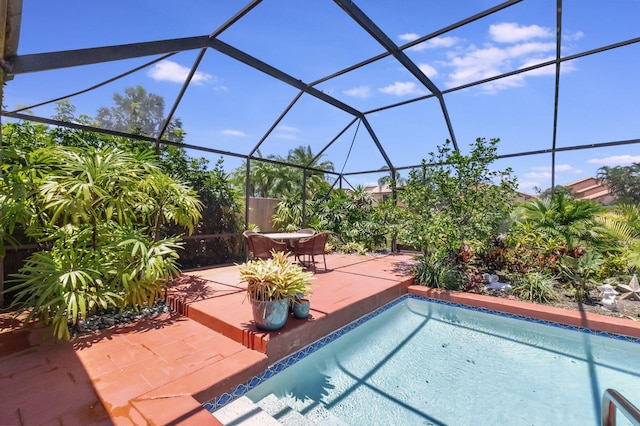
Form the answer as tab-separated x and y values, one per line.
428	70
510	32
400	88
567	168
479	64
549	69
287	136
359	92
286	132
288	129
231	132
559	168
408	37
577	35
527	49
616	160
528	185
544	172
176	73
538	175
503	83
441	42
512	47
433	43
490	60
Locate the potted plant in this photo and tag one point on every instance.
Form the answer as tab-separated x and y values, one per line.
301	307
271	285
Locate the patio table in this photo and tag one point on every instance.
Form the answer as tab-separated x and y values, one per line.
286	235
290	237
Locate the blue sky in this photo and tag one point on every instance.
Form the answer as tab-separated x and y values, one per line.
230	106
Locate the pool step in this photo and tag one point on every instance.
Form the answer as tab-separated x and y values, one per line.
271	411
315	414
282	411
246	412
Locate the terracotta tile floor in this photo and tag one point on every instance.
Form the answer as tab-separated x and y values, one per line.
158	371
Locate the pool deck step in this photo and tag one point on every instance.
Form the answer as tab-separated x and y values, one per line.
284	413
272	410
246	412
314	413
351	287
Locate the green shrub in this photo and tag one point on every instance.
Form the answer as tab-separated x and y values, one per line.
580	273
99	214
353	248
439	272
535	287
614	264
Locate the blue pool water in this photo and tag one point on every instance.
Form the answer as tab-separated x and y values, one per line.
422	362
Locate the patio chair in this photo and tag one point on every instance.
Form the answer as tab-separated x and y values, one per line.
310	247
292	243
261	245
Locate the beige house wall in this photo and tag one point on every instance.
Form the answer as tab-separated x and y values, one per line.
260	212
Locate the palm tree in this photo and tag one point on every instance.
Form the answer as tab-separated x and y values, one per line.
396	180
276	180
624	181
572	220
304	156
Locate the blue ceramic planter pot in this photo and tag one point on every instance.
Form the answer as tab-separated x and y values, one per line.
270	315
301	308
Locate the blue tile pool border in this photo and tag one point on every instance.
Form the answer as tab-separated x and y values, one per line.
279	366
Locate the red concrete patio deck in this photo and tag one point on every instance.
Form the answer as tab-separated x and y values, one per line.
351	287
160	370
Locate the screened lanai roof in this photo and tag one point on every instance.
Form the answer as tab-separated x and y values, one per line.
367	84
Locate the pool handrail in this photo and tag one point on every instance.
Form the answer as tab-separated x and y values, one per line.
612	401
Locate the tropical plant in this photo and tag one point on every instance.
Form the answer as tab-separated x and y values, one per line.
455	199
270	179
222	212
275	278
623	182
561	216
581	273
558	189
316	181
266	180
353	248
288	213
438	271
352	217
97	212
392	180
622	225
535	287
70	281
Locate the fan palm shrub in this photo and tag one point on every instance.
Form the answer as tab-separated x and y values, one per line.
98	215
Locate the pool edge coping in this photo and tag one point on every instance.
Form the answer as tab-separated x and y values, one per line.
551	314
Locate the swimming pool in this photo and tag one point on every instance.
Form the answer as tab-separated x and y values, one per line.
419	361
